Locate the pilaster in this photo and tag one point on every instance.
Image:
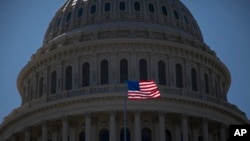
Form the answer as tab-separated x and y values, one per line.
161	126
65	129
184	124
137	134
87	127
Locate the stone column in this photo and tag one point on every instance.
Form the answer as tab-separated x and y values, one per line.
184	124
130	9
115	9
144	4
222	133
137	126
205	129
195	134
27	135
162	126
44	132
65	129
112	126
87	127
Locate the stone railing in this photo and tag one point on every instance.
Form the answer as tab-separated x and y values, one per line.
118	90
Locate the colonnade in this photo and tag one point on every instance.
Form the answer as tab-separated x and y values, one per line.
182	132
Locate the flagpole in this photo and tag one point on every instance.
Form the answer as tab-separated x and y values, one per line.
125	115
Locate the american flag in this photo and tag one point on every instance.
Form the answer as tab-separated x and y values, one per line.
138	90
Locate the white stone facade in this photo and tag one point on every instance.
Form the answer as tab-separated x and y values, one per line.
73	87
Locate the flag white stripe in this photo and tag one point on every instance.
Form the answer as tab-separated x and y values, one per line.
147	90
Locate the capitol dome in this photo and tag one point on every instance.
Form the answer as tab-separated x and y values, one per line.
73	87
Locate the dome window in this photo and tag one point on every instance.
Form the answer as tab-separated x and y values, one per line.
122	6
93	9
68	17
176	15
53	82
162	73
137	6
41	87
104	72
151	8
128	138
146	134
206	79
164	10
123	70
143	69
80	12
85	74
194	79
104	135
59	21
185	18
107	6
68	78
178	76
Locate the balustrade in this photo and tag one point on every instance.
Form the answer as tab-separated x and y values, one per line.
118	90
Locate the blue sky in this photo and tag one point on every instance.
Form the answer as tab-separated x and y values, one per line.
224	24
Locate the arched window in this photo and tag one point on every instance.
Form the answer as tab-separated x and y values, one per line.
41	87
137	6
68	17
128	138
176	15
31	92
164	10
200	138
93	9
206	83
168	135
104	72
82	136
143	69
194	79
123	70
151	8
59	21
146	134
216	87
85	74
68	78
53	82
161	73
104	135
178	76
80	12
107	6
122	6
185	18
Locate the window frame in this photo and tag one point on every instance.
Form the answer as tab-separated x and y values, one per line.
122	6
162	72
137	6
80	12
151	8
104	72
93	9
107	6
85	74
164	10
179	76
143	69
68	78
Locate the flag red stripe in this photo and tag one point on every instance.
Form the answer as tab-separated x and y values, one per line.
148	89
